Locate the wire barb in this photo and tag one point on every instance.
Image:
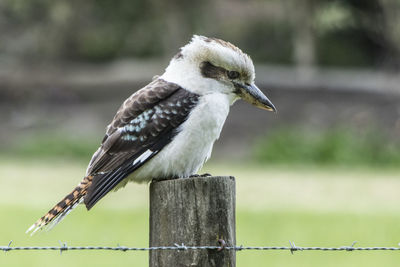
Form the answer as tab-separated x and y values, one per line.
180	247
222	244
8	248
239	248
293	247
63	246
122	248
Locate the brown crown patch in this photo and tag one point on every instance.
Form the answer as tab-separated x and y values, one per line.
223	43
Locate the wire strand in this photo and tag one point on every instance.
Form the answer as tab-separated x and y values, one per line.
292	248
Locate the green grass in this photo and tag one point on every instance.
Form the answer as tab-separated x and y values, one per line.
287	145
272	228
338	146
276	228
100	227
309	206
50	145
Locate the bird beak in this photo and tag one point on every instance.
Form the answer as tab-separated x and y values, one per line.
253	95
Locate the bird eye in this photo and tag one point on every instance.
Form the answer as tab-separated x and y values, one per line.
233	74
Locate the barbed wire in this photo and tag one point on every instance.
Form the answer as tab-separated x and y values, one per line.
222	246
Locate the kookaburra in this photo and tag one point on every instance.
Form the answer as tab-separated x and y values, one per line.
167	129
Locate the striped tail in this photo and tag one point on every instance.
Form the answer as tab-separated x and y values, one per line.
59	211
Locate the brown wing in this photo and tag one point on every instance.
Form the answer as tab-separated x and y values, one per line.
145	123
132	107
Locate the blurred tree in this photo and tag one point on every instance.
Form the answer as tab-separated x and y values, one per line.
304	37
391	13
324	32
96	30
357	33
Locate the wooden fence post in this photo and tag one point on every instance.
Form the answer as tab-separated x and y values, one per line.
196	212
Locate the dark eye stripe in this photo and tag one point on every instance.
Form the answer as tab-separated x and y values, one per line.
232	74
208	70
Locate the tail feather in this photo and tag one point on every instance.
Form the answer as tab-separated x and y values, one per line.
63	208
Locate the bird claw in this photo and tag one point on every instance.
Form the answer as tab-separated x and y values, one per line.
200	175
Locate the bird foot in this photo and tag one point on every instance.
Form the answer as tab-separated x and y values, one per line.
200	175
154	180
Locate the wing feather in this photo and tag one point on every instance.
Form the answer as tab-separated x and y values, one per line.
145	123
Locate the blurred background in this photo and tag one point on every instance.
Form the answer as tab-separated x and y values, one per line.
323	171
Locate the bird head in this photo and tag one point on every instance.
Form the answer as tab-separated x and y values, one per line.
210	65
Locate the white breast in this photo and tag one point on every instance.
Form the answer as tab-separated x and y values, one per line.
189	150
